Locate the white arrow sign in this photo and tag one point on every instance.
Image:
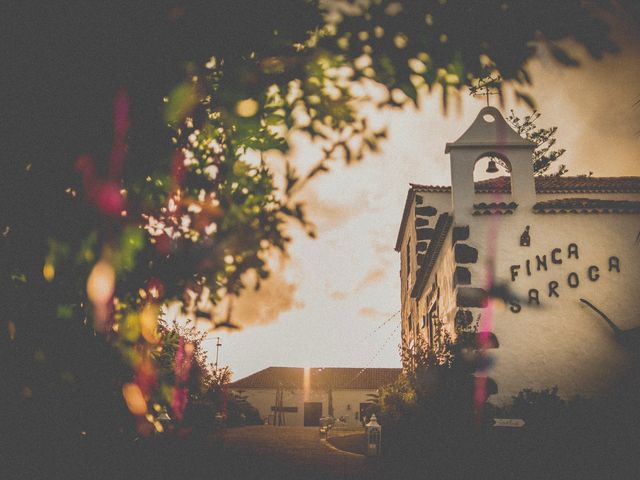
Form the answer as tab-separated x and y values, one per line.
508	422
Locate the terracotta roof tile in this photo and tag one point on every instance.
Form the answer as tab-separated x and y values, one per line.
494	185
500	208
337	378
430	188
544	184
586	205
503	205
551	184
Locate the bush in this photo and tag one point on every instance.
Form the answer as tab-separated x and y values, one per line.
427	415
539	408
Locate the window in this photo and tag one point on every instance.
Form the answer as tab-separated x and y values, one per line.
284	409
408	261
431	316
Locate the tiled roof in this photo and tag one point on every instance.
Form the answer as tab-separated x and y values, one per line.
551	184
430	188
544	184
586	205
500	208
556	184
320	378
495	185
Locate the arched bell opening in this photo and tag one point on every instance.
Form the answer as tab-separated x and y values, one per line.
492	173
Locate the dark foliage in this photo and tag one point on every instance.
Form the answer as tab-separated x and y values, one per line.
65	64
437	430
544	155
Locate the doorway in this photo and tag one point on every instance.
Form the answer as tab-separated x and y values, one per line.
312	414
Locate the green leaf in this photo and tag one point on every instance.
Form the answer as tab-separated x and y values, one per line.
410	91
274	119
182	101
64	311
562	56
526	98
19	277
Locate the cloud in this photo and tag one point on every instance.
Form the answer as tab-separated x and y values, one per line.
275	296
369	312
338	296
382	247
327	215
372	277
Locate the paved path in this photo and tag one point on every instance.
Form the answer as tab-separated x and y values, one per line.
268	452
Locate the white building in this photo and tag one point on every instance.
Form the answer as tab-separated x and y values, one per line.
300	396
547	244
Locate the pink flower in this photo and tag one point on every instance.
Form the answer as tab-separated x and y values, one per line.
184	356
106	195
146	377
179	403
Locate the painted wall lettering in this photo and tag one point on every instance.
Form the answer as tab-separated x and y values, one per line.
573	250
573	280
614	264
514	272
514	306
541	262
525	238
556	257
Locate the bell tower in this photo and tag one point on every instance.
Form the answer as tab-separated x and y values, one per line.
490	135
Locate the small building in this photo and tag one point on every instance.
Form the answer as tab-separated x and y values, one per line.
546	267
301	396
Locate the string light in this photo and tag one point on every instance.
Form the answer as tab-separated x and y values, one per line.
375	356
381	325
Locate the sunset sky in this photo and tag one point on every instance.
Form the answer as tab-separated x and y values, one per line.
323	306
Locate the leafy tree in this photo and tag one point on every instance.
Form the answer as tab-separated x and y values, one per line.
544	154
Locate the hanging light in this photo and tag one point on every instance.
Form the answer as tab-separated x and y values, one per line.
492	167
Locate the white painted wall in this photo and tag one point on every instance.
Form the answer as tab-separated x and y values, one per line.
562	342
345	403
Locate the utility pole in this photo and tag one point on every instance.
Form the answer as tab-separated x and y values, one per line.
218	345
278	414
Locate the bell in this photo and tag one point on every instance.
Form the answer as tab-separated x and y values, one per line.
492	167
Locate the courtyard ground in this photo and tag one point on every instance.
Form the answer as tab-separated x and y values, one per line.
267	452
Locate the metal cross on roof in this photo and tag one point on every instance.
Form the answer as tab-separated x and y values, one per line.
485	86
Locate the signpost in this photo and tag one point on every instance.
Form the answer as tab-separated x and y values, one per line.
508	422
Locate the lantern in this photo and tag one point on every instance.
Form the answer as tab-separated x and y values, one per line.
373	434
